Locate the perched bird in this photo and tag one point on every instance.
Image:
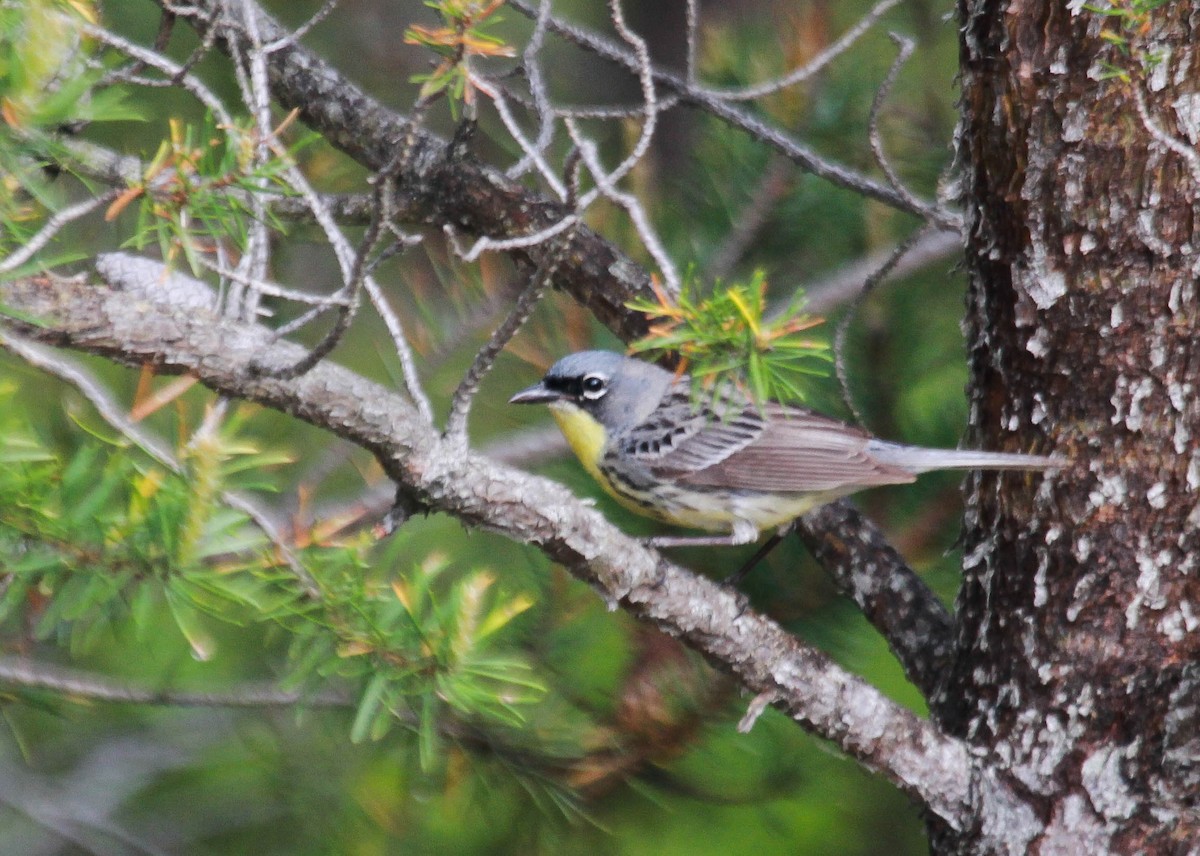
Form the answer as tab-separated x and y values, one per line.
727	466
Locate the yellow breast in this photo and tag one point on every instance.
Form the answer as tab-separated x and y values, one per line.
585	436
587	439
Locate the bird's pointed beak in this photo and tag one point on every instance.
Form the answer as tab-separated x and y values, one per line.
536	394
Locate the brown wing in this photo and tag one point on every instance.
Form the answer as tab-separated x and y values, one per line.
679	438
784	449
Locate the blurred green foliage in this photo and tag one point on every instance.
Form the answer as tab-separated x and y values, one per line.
494	705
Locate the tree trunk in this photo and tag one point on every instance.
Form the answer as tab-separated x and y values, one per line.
1077	672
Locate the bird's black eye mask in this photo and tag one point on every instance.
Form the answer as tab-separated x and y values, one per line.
587	388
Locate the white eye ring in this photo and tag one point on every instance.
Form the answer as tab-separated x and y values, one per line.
594	386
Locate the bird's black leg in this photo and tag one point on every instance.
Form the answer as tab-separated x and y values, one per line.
735	579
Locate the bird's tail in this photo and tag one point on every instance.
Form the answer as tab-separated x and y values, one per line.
918	460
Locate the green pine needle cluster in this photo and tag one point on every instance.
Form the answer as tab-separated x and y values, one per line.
197	189
417	644
462	36
727	336
100	542
49	76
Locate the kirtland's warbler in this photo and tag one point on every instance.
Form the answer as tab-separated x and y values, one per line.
726	465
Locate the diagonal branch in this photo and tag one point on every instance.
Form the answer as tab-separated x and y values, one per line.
732	114
22	672
445	187
868	570
934	768
440	185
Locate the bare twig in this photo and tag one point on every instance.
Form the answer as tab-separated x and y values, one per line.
542	108
608	111
53	225
645	74
813	66
868	286
271	289
166	25
201	51
605	186
350	295
534	239
460	402
348	260
168	67
252	78
303	30
728	112
606	180
929	210
534	153
72	683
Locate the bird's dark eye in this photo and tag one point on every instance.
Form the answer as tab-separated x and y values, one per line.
593	386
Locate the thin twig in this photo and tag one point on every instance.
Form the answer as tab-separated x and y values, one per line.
486	244
256	94
55	224
168	67
626	201
607	111
645	74
533	152
730	113
384	194
271	289
813	66
542	108
929	210
303	30
201	51
464	394
166	24
539	281
72	683
868	286
344	255
349	298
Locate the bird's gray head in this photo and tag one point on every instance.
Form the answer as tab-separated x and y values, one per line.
617	391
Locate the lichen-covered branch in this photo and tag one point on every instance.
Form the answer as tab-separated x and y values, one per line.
799	680
869	571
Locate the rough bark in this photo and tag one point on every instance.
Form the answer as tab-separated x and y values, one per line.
1076	672
869	571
